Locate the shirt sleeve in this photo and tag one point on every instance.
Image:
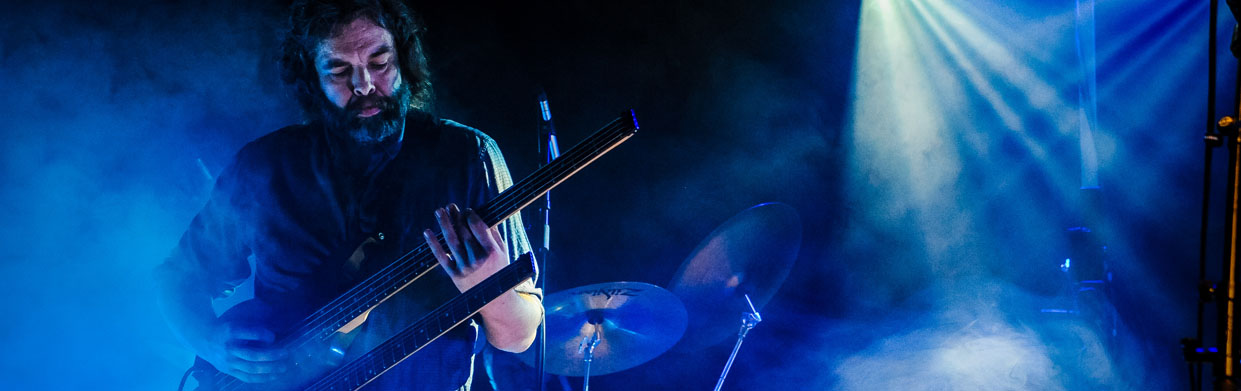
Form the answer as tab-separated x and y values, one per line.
512	229
211	257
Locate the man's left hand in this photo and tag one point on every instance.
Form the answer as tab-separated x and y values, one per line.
475	251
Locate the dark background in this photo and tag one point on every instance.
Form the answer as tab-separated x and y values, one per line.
934	184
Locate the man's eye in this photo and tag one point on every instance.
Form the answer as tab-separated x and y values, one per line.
380	65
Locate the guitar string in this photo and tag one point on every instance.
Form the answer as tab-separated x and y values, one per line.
385	276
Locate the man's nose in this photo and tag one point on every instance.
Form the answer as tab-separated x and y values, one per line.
362	83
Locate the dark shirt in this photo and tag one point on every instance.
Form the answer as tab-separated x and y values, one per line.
296	203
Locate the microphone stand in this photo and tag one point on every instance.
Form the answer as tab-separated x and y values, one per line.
551	151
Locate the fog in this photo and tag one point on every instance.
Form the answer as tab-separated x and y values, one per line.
931	149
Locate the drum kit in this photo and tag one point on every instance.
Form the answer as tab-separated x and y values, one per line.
610	327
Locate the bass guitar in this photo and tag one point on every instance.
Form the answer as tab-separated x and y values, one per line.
315	343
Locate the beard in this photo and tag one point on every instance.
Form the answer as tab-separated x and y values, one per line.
368	130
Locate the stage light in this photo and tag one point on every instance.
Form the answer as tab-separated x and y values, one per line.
973	131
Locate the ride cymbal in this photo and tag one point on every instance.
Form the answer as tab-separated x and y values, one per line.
752	254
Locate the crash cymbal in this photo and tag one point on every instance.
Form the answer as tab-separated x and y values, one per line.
636	322
750	253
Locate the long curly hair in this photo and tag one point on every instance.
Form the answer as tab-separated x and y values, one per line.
313	21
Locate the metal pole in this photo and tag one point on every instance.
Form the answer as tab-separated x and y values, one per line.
548	144
588	346
748	321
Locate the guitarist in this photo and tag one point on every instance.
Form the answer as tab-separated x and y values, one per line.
303	213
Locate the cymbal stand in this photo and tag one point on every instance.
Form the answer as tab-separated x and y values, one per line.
588	346
748	321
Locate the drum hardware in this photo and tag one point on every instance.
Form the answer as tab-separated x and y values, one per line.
737	268
587	348
748	321
609	327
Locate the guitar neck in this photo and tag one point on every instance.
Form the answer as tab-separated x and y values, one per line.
433	325
323	323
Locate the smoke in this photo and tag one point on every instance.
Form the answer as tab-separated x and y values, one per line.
930	148
981	341
115	106
964	180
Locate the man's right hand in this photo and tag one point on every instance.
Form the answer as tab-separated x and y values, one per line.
245	353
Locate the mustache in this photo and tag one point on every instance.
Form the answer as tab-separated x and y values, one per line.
347	119
358	103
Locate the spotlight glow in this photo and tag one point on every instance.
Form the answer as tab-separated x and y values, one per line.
973	127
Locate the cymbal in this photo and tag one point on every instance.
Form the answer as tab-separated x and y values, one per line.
752	254
636	322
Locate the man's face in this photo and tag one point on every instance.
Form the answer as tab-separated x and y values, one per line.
359	75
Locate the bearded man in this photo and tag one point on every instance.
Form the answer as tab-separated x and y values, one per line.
296	207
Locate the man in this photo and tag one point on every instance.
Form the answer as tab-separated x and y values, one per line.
298	206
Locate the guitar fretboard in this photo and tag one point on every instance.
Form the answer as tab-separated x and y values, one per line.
433	325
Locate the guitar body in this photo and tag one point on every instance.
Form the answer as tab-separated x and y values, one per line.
318	363
310	359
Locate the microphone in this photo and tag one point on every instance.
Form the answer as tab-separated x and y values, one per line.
547	130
